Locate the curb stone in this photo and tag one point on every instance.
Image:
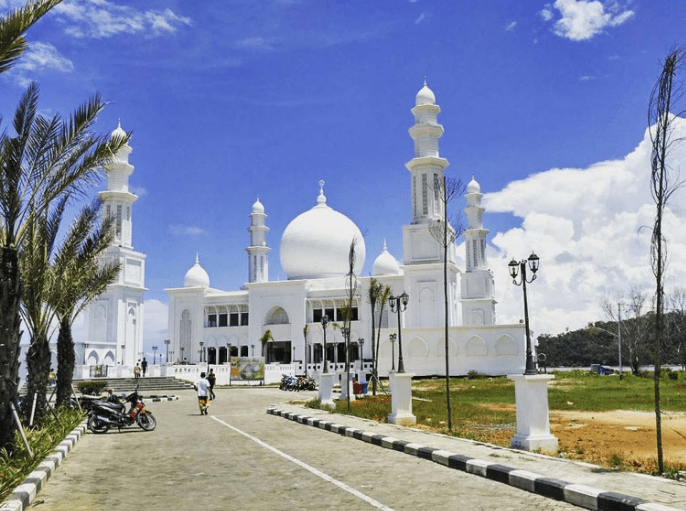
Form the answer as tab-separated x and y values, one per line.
23	495
156	399
576	494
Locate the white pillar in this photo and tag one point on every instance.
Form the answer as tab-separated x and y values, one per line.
326	390
401	399
533	420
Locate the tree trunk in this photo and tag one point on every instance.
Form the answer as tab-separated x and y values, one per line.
66	360
38	365
10	336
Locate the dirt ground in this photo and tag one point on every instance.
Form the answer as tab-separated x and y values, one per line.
620	437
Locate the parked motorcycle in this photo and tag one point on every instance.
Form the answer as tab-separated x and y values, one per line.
113	413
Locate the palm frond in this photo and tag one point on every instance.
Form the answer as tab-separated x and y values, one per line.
14	25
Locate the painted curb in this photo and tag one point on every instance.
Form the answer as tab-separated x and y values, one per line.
22	496
576	494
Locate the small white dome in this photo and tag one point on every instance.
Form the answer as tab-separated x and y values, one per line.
257	207
316	244
425	96
473	186
196	276
386	264
118	131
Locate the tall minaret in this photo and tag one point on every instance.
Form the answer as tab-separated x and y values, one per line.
117	199
478	304
258	251
427	170
115	318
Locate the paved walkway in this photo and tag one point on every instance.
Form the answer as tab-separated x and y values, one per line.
242	458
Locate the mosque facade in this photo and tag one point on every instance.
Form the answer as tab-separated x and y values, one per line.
209	325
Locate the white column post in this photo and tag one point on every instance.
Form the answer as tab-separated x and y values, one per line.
533	419
401	399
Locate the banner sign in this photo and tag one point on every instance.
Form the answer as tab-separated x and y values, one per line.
247	368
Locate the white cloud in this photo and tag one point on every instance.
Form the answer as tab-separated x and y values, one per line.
186	230
420	18
155	325
511	26
39	57
583	19
591	229
546	13
256	43
100	19
139	190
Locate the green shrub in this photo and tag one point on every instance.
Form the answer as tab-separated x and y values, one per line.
14	467
93	388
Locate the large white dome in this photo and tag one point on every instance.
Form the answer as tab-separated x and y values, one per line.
316	244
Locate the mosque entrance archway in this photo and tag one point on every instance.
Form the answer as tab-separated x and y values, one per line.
211	355
279	352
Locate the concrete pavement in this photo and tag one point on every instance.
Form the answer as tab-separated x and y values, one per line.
240	457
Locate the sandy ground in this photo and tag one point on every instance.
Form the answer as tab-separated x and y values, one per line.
627	437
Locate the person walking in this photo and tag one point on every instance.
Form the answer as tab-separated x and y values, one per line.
212	379
144	366
137	372
202	386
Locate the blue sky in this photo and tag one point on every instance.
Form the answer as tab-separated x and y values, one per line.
545	104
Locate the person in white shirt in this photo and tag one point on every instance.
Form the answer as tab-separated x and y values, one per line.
203	388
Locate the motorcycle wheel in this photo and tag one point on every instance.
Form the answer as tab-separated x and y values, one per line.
97	426
146	421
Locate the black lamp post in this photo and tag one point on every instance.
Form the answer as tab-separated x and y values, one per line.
154	356
325	322
519	269
166	342
399	304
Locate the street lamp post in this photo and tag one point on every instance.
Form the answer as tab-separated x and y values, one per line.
167	342
392	338
202	351
519	269
360	341
399	304
182	359
325	322
154	355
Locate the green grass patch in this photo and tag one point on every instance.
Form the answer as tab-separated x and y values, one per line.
16	467
583	391
483	409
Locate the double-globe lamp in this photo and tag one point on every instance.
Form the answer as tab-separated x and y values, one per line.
519	269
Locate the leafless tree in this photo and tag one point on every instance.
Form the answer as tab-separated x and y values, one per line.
677	304
635	327
446	190
662	121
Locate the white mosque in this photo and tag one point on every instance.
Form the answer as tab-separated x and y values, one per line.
209	326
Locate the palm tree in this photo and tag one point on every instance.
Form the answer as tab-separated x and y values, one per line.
37	282
378	295
13	27
12	45
44	160
80	276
